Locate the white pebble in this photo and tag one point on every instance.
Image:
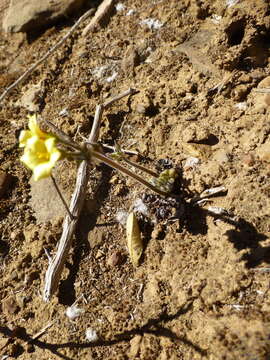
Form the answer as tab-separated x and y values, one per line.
241	106
216	18
131	12
120	7
191	163
91	335
230	3
63	112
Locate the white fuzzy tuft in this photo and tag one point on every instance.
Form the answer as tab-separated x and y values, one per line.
73	312
153	24
140	207
121	217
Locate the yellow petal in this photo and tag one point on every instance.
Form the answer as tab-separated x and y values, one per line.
134	240
34	128
36	145
42	171
25	135
55	154
50	144
31	160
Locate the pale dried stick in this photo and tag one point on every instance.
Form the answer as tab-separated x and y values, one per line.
224	81
44	57
42	331
56	265
104	8
54	271
262	90
128	152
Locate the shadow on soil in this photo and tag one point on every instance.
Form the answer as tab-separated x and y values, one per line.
153	326
191	218
244	236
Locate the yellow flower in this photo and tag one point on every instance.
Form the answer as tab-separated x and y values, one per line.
40	151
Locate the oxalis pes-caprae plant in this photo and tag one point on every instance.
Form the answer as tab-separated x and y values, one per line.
43	149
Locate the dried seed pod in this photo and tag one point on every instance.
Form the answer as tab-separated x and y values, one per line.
134	240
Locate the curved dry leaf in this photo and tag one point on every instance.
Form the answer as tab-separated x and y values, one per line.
134	240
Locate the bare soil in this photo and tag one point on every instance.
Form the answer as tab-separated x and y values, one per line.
201	290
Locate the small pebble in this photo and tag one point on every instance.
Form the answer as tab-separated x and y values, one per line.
115	259
191	163
99	254
10	306
114	180
15	235
91	335
141	109
248	159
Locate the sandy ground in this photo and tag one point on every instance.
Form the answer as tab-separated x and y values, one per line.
201	290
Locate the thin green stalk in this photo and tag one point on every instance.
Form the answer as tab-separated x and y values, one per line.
62	198
110	162
140	167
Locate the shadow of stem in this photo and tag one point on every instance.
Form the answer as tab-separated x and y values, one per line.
153	327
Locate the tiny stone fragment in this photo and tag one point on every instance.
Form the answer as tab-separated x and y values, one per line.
10	306
248	159
115	259
91	335
99	254
130	60
95	237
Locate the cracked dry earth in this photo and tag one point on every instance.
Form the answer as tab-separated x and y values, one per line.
201	290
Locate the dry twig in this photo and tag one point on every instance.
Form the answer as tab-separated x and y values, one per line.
42	331
262	90
104	8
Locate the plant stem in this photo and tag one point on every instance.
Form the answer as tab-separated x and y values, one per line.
140	167
62	198
114	164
